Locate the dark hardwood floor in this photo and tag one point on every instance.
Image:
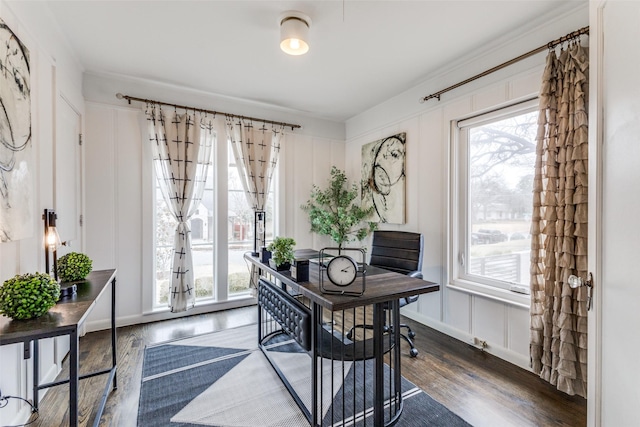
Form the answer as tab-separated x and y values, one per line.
482	389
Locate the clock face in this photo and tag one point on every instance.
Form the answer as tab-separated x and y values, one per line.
342	270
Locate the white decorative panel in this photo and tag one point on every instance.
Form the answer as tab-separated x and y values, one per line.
518	320
299	170
457	310
429	305
129	219
11	367
100	184
489	98
527	85
489	321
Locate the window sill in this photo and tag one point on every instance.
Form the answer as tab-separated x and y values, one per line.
493	293
209	305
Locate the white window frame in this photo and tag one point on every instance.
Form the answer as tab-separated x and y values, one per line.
459	231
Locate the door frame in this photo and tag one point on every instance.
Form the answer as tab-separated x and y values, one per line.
595	210
80	244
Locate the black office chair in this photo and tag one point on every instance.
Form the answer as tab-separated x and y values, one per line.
398	251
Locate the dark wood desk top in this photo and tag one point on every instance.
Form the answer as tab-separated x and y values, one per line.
64	316
380	286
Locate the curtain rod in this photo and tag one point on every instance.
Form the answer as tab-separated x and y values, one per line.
151	101
550	45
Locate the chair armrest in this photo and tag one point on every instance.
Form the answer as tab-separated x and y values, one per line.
408	300
417	274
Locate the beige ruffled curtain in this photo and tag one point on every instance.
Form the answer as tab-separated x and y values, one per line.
181	145
558	345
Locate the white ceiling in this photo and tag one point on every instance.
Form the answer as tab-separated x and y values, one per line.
362	52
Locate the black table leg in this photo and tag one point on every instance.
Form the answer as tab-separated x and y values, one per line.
73	378
395	366
36	372
114	341
378	371
316	326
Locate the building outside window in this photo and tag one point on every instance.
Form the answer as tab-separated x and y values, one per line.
495	160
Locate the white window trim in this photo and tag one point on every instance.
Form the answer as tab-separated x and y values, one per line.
458	281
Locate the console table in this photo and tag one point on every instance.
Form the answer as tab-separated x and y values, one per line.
319	329
64	319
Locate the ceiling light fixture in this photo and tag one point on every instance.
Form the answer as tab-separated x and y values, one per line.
294	32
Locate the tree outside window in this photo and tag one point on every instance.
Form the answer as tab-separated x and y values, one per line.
497	210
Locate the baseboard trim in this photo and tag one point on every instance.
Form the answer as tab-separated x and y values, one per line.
50	376
136	319
23	414
503	353
22	417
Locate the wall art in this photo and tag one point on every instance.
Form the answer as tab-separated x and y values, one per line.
383	178
16	151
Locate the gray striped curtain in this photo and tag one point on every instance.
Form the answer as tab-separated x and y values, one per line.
181	146
558	346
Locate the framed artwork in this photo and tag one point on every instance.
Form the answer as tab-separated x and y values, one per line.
16	151
383	178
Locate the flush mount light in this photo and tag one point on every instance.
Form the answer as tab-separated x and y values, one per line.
294	32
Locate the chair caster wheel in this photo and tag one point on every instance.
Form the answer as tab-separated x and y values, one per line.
413	352
412	334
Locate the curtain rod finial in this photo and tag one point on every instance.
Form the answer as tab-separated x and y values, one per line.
119	95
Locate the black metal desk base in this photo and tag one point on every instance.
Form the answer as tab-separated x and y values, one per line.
329	343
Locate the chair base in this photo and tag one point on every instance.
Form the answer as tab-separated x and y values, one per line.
413	352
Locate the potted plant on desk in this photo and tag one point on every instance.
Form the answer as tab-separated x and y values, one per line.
281	253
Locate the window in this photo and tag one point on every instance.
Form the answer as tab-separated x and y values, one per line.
495	159
240	228
206	246
202	244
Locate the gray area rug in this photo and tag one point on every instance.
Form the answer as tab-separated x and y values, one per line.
222	379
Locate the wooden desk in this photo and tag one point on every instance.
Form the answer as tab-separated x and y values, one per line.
382	288
64	319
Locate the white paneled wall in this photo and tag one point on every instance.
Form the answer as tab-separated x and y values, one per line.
119	202
114	204
505	327
54	74
464	315
307	161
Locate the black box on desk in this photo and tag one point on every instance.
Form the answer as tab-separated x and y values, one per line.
265	255
300	270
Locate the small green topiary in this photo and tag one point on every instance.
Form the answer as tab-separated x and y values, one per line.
74	266
28	296
282	250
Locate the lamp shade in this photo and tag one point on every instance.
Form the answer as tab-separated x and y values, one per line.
52	237
294	32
